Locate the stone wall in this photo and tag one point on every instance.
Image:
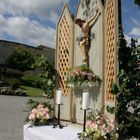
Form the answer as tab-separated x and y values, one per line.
7	48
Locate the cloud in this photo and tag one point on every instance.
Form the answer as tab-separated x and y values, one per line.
43	9
135	22
27	21
27	31
128	39
135	31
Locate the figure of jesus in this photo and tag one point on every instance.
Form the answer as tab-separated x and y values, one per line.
85	39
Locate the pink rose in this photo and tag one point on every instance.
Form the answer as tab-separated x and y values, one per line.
31	117
47	116
88	123
41	109
34	111
102	128
111	127
93	125
46	109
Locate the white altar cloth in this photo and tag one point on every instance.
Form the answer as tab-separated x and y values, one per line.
49	133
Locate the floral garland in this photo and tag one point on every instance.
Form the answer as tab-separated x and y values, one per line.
81	77
40	114
99	127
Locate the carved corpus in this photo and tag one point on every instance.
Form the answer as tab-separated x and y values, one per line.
85	39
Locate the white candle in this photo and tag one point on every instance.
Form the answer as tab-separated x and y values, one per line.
85	100
59	97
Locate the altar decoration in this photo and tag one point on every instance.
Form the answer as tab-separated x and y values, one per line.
82	77
59	97
85	100
40	114
58	103
99	127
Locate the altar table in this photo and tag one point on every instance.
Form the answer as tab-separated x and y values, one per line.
50	133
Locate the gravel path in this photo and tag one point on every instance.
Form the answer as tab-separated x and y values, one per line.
13	111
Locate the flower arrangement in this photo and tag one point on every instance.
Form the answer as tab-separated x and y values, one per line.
81	77
99	127
40	114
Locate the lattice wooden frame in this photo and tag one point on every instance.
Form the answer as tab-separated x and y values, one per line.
64	52
110	48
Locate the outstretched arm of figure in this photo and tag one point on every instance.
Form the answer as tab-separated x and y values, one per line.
95	16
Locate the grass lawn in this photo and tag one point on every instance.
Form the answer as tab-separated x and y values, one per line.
31	91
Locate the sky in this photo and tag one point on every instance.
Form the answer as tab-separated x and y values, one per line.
130	20
33	22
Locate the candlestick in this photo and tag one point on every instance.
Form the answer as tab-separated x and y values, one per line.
58	124
85	100
84	123
59	97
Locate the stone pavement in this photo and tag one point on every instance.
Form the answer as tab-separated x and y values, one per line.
13	111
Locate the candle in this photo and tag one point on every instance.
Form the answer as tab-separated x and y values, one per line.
85	100
59	97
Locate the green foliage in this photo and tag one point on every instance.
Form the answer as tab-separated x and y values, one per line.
34	103
14	83
114	88
18	92
137	2
32	80
36	117
21	59
47	75
81	77
99	127
128	90
111	110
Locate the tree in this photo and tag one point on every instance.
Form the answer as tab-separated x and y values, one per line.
128	90
137	2
21	59
47	75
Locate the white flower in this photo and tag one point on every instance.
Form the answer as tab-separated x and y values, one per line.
130	109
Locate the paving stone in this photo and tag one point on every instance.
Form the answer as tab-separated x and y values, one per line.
13	111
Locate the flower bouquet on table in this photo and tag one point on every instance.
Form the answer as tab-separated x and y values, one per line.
99	127
82	77
40	114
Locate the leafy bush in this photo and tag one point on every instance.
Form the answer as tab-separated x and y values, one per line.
47	75
21	59
14	83
20	92
7	91
128	90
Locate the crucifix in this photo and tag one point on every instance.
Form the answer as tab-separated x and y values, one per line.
85	39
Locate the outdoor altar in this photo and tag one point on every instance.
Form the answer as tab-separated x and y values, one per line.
81	42
86	66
